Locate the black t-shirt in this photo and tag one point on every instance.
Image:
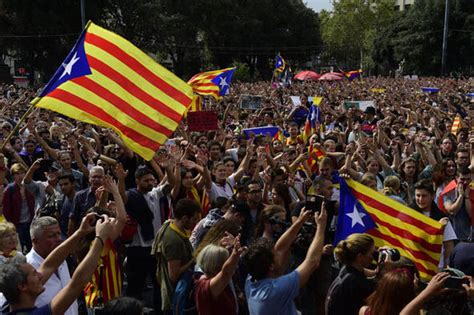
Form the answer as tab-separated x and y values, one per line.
348	292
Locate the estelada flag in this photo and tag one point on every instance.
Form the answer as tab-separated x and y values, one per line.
107	81
214	83
390	223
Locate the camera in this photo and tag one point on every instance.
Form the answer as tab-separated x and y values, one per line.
456	283
382	254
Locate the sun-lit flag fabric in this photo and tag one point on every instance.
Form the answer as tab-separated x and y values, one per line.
351	75
390	223
314	155
311	120
107	81
279	136
456	125
196	105
214	83
280	64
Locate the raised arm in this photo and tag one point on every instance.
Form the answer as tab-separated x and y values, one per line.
283	245
82	275
435	286
52	262
223	278
120	215
51	152
313	256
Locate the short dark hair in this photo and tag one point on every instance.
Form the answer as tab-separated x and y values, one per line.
425	184
186	207
259	258
69	177
142	171
213	143
123	305
240	207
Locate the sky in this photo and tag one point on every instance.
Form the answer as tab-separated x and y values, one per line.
318	5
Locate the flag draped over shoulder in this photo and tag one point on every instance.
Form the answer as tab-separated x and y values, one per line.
107	81
390	223
214	83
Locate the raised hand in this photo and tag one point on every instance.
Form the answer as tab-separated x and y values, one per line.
120	172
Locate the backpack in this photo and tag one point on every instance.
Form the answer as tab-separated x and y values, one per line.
183	302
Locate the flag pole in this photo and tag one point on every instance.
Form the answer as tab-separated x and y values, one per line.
17	126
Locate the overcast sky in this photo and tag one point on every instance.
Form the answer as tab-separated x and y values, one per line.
318	5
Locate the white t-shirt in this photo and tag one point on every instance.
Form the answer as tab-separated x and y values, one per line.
449	235
153	200
55	283
226	190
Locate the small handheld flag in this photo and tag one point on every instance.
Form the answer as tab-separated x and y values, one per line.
280	64
214	83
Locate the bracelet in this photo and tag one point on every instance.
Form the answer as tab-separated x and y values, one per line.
100	239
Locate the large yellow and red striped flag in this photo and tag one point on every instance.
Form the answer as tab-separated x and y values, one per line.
107	81
390	223
213	83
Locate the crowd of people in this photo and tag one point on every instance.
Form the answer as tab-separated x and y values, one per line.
219	222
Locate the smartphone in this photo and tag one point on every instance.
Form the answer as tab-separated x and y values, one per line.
456	283
314	203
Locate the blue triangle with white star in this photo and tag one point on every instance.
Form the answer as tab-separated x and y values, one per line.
352	217
75	65
223	81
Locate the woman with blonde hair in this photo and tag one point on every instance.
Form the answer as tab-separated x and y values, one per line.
392	188
349	290
214	292
8	242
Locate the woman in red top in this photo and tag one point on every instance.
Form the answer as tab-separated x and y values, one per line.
214	291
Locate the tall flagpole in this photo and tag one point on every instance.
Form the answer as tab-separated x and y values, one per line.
445	38
83	13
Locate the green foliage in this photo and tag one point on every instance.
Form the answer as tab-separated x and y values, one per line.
349	31
417	38
187	36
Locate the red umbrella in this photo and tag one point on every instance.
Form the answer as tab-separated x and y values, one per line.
332	76
307	76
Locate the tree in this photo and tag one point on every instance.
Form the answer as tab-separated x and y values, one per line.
418	35
349	31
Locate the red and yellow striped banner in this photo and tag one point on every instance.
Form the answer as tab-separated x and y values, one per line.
126	90
456	125
415	235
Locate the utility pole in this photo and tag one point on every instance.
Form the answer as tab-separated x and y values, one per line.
83	13
445	39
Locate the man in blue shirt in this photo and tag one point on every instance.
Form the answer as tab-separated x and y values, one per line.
269	293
